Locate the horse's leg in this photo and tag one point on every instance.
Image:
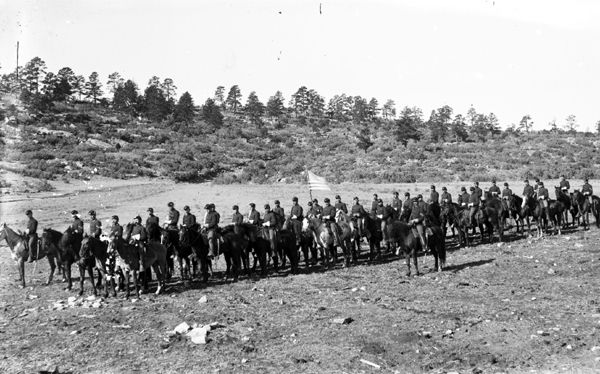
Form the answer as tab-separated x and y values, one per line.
52	263
69	278
82	269
107	282
21	265
90	269
407	264
99	274
135	283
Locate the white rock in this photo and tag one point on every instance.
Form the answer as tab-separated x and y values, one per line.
595	348
71	299
198	335
203	300
96	304
91	298
354	289
182	328
215	325
31	297
342	321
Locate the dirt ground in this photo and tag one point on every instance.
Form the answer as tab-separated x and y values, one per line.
521	306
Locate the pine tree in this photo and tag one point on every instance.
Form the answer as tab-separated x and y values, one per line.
275	105
254	108
93	87
184	110
32	74
212	114
233	98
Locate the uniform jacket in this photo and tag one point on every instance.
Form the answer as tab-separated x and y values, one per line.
188	220
173	217
446	198
434	197
141	231
341	206
271	218
495	189
565	184
297	211
32	225
95	228
587	188
77	225
212	220
543	192
464	198
507	192
254	217
329	212
116	230
358	210
528	190
152	219
237	218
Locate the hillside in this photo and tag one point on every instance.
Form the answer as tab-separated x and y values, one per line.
78	140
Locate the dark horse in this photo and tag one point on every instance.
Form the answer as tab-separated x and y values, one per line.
19	253
401	236
170	239
566	201
233	247
68	245
194	249
528	209
449	217
374	236
494	212
583	207
322	238
436	241
93	253
512	210
127	257
257	245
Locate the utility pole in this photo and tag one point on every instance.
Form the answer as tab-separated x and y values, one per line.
18	85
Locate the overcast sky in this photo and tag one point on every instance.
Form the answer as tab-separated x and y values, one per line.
510	57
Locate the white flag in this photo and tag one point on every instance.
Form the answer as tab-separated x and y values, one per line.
317	183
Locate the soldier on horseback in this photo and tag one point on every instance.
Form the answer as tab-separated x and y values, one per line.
564	184
296	214
253	215
587	190
446	196
32	236
358	212
270	227
116	230
173	217
406	207
188	220
329	219
237	219
543	196
317	209
211	225
95	225
396	204
473	205
279	214
463	198
77	224
152	222
374	203
506	196
139	237
381	215
339	205
494	189
477	190
417	215
434	196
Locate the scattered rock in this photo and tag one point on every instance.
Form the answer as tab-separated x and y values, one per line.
354	289
595	348
370	363
96	304
122	327
182	328
203	300
91	298
75	332
216	325
198	334
551	271
31	297
343	321
543	333
426	334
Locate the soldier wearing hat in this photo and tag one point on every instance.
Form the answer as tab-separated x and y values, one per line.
494	189
564	184
237	219
339	205
543	196
374	203
434	196
152	225
253	215
188	220
211	224
172	218
329	212
587	190
381	214
116	230
317	209
296	214
396	204
32	236
270	226
473	205
446	196
358	214
528	191
463	198
477	190
279	214
139	237
406	207
416	218
537	184
95	225
77	224
506	192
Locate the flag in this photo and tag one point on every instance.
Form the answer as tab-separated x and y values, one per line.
317	183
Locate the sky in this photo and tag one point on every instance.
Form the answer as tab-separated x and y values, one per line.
509	57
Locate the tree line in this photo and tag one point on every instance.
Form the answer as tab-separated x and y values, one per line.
39	89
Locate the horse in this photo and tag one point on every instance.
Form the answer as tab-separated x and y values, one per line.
596	209
286	244
463	224
401	236
69	244
18	250
448	217
436	242
233	246
566	201
528	209
494	211
374	236
257	245
322	237
347	237
512	210
93	253
583	207
49	244
127	257
194	249
556	210
170	239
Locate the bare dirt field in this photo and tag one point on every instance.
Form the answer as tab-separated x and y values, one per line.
522	306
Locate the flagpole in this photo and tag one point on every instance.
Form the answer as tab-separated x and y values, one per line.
309	189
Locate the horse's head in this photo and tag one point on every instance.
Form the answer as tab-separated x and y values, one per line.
305	224
575	197
85	251
339	215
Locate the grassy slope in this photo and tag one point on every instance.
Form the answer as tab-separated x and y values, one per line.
239	152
